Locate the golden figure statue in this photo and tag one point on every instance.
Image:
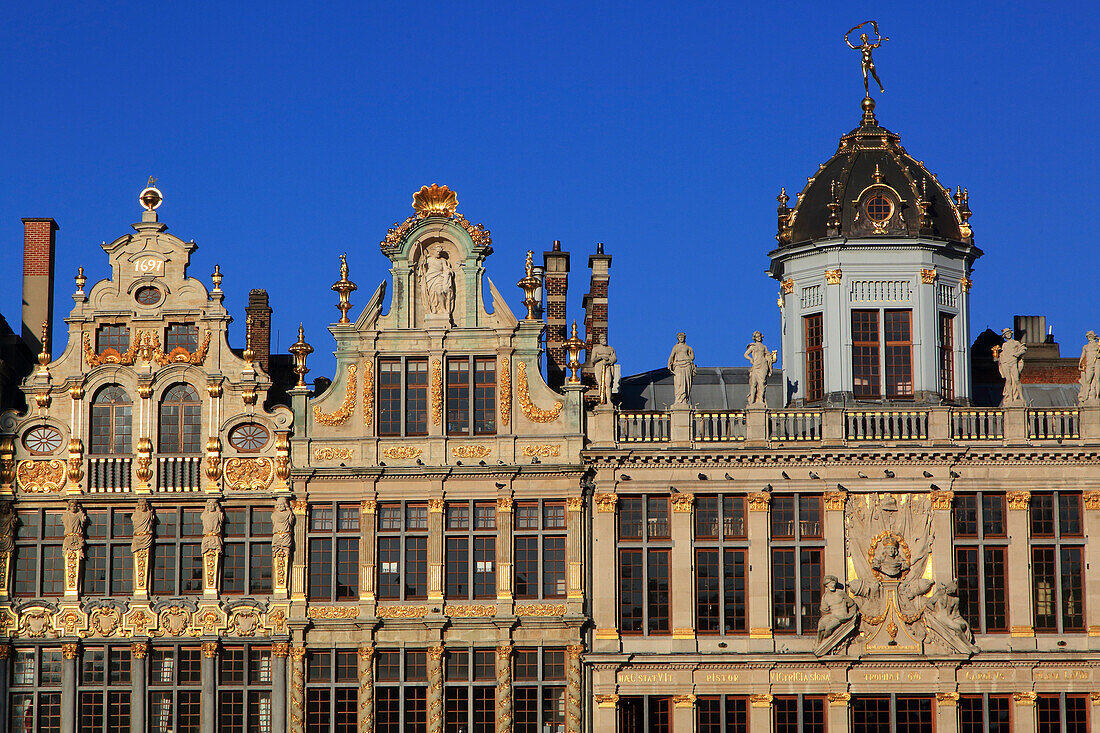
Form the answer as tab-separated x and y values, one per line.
865	48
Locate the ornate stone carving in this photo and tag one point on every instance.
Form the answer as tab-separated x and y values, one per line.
402	452
544	450
436	276
180	355
760	700
947	698
504	503
332	612
104	621
1009	357
760	360
603	359
759	501
1018	500
505	390
928	277
139	649
965	284
574	503
839	617
787	286
209	649
436	505
832	277
606	503
368	506
942	613
681	362
76	463
70	650
607	701
540	609
36	622
69	620
368	393
143	464
175	620
280	649
470	451
246	621
1025	698
530	411
437	392
682	503
344	412
1092	500
840	699
329	453
41	477
683	701
834	500
941	500
471	611
109	355
402	611
249	474
7	460
213	468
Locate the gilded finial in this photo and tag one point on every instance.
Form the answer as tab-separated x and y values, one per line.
151	197
962	205
216	278
529	283
344	288
80	279
574	345
300	349
248	353
877	176
833	223
783	216
44	354
783	198
435	200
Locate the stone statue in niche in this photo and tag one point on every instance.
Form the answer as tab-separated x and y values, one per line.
681	362
212	520
142	519
603	365
282	525
1088	366
437	279
761	361
74	520
1009	356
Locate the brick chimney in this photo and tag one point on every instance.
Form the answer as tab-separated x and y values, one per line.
260	312
39	240
556	263
595	300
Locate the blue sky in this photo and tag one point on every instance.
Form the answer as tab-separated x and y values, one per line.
285	134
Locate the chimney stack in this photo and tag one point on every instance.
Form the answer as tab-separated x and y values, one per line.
39	240
260	312
556	263
595	301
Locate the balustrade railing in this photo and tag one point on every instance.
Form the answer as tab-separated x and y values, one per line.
636	427
794	425
1053	424
108	475
977	424
179	473
886	424
718	426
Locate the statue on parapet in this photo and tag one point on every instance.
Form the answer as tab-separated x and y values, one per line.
1089	366
1010	356
761	361
681	362
603	366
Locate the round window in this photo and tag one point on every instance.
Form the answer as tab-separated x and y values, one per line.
147	295
42	439
878	208
248	438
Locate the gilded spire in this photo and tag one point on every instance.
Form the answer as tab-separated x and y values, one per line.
344	288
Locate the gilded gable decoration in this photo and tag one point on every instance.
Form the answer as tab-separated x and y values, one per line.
530	411
505	391
341	415
437	392
368	393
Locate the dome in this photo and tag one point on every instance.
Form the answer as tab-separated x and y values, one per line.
872	187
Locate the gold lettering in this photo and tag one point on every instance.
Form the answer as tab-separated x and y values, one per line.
801	676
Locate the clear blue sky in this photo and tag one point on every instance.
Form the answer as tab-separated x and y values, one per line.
283	134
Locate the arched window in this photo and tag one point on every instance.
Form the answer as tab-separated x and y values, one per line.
111	421
180	420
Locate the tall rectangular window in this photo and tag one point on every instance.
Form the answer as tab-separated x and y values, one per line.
644	565
981	560
458	396
469	693
812	328
722	714
35	692
177	553
401	691
416	397
797	549
334	552
471	377
389	397
39	562
799	714
244	689
540	549
539	678
470	548
1057	562
403	550
645	714
175	686
332	693
181	336
899	354
1062	713
985	714
402	396
947	356
721	556
865	355
246	558
892	714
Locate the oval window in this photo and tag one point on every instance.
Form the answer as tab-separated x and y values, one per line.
248	438
147	295
878	208
42	439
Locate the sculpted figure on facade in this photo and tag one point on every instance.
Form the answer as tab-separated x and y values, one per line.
888	559
7	527
282	526
437	278
143	519
1010	357
839	616
604	360
944	615
74	520
1088	365
761	361
212	520
681	362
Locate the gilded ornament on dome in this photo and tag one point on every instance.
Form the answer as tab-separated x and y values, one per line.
249	474
530	411
341	415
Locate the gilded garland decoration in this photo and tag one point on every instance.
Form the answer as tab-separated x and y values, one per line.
109	355
368	393
437	392
340	416
505	391
530	411
398	452
471	451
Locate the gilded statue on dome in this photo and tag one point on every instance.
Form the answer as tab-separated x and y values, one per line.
865	47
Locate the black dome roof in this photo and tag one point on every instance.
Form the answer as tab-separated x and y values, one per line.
871	167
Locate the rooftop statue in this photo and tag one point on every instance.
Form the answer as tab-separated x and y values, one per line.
681	362
1009	356
1088	365
865	47
603	365
761	360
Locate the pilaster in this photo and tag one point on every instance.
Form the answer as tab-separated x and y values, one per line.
208	707
505	702
683	713
604	574
759	580
435	550
435	689
138	684
297	712
1020	618
1023	712
505	542
1092	560
760	713
5	664
683	602
70	651
947	714
279	651
298	574
834	532
573	700
837	714
574	548
368	527
942	561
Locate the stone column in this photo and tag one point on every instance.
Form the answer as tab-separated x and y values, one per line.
208	707
435	689
5	715
683	603
1092	560
70	650
834	533
368	519
1023	716
837	721
366	689
947	714
683	713
573	689
297	712
759	580
760	714
435	550
300	507
1019	563
505	542
505	703
279	651
574	548
605	577
942	522
138	684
